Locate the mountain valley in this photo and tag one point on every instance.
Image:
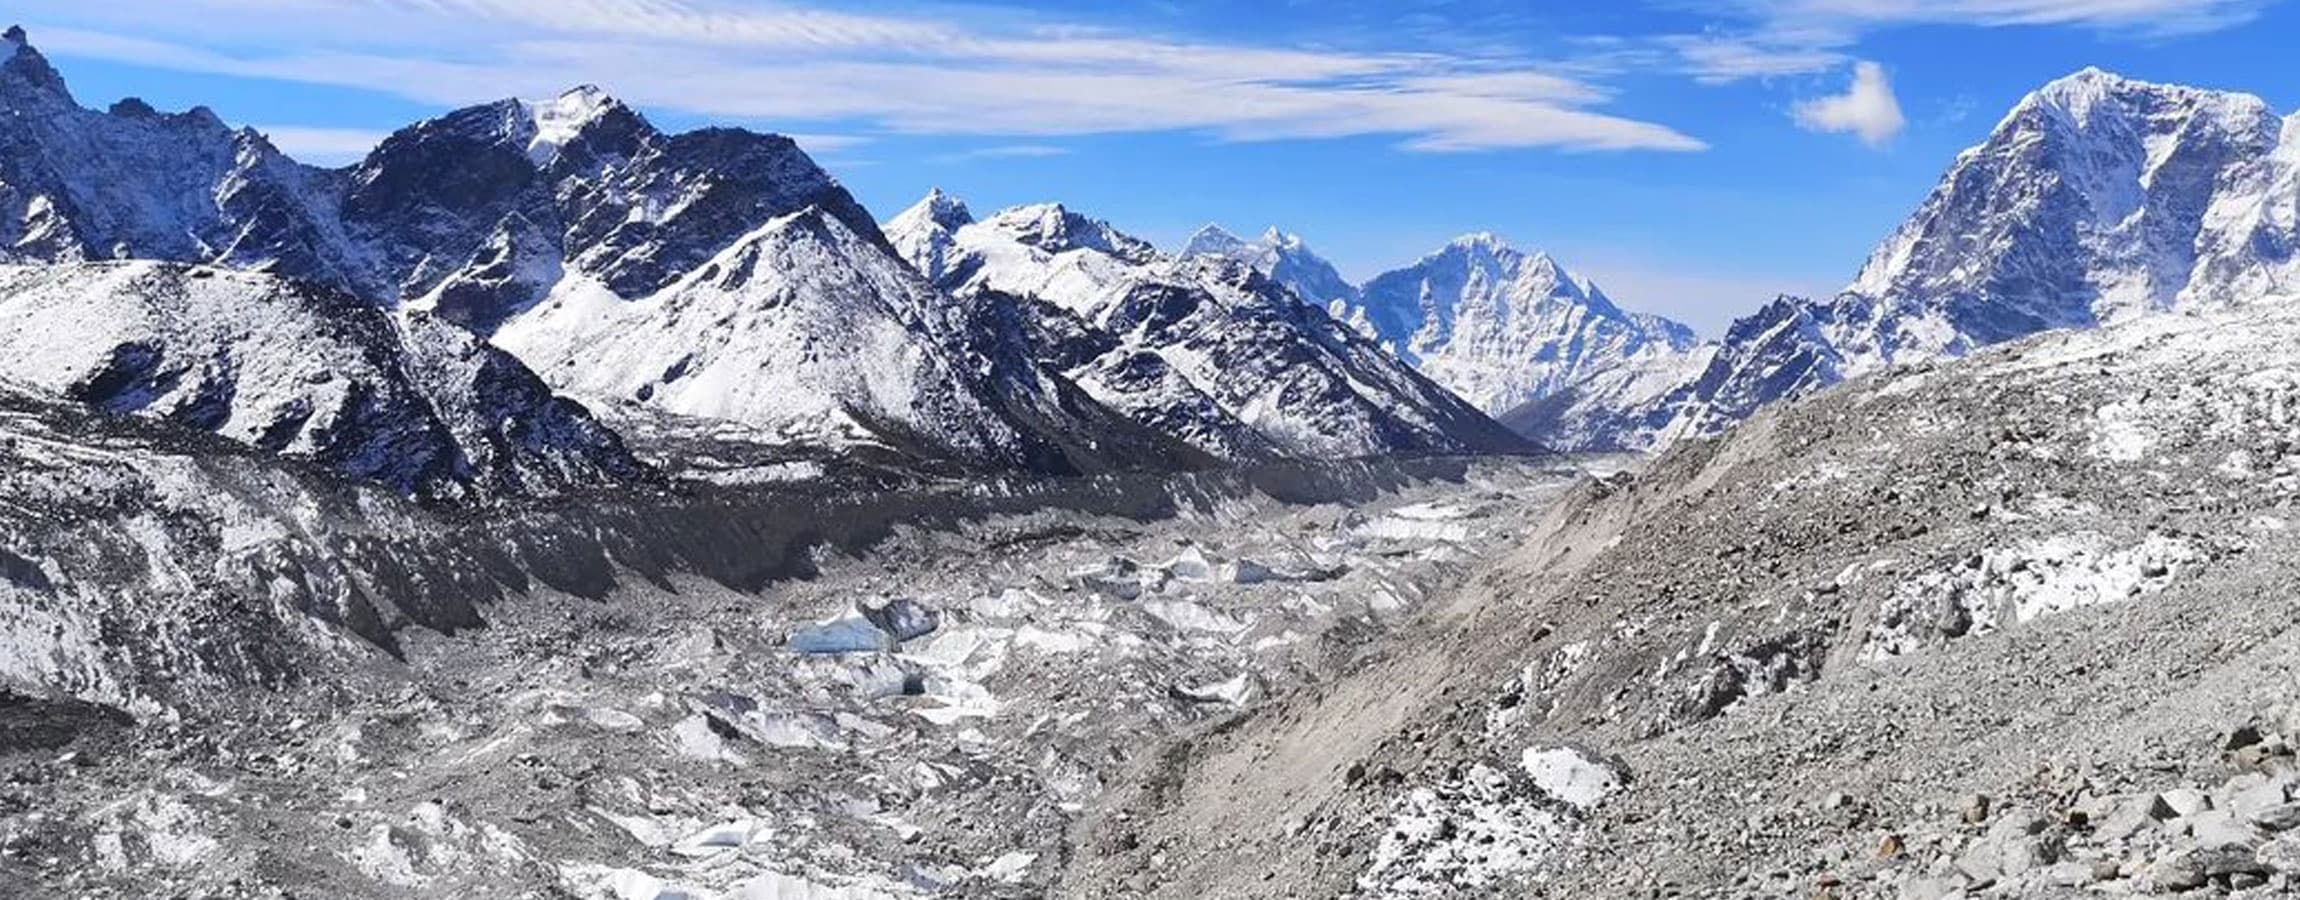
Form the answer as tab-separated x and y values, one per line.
549	505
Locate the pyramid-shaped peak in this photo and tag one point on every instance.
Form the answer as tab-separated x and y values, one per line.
1212	240
938	208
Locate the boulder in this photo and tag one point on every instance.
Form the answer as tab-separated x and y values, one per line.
2281	817
2221	828
2192	867
903	619
2179	803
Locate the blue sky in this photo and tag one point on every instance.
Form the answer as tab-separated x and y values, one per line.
1692	156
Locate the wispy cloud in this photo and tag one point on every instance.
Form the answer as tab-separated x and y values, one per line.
829	144
1768	38
987	75
1866	109
2152	17
1006	151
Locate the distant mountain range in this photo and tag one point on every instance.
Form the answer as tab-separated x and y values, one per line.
717	275
1205	347
2097	199
407	319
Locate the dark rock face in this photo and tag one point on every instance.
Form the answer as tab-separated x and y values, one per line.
1076	432
1271	344
1781	351
472	205
730	181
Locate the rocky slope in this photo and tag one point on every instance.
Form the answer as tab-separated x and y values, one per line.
1203	347
415	404
2001	627
2097	199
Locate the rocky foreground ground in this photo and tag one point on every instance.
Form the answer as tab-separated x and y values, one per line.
2020	626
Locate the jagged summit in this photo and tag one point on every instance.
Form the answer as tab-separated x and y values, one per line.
1281	255
2081	94
925	233
560	121
26	78
132	107
2089	76
1207	346
942	209
1055	228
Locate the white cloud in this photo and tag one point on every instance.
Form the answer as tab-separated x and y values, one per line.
984	75
1714	60
1867	108
326	146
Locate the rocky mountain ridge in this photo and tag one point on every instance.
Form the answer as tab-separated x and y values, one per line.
1204	347
715	275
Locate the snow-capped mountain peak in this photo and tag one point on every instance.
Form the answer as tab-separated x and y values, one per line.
2098	198
1482	241
1508	329
1054	228
2083	206
1214	240
559	121
942	209
2092	91
1283	256
925	233
1206	346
